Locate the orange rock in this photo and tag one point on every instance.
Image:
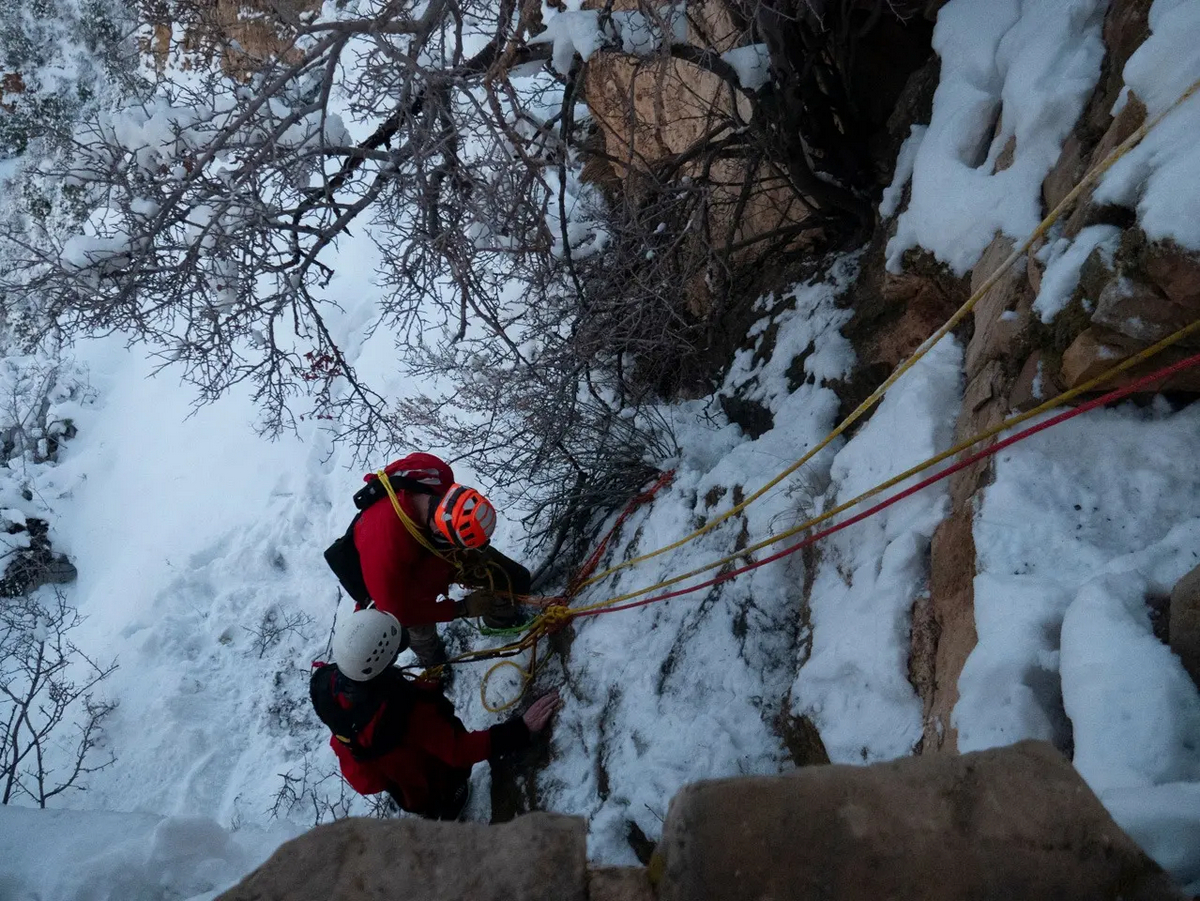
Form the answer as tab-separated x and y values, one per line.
1089	355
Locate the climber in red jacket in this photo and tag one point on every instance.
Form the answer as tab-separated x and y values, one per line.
408	566
392	734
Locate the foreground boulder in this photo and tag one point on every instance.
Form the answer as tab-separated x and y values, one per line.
1003	825
539	857
1185	623
1009	823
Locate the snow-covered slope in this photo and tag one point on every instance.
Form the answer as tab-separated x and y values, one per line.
695	687
73	854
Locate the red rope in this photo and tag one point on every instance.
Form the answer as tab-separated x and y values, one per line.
589	565
1108	398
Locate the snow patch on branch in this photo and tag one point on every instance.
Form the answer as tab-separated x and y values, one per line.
576	31
582	31
102	254
752	64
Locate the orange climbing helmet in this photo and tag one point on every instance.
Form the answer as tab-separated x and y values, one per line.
463	518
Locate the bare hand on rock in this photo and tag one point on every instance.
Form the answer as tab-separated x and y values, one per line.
540	711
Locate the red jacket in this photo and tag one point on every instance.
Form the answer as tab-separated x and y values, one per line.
402	577
419	769
404	738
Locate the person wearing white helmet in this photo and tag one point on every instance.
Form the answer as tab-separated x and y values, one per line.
367	642
393	734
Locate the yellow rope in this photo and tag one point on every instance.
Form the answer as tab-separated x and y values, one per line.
526	677
1009	423
559	615
1088	181
411	526
556	616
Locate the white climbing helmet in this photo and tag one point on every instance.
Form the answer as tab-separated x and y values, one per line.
366	643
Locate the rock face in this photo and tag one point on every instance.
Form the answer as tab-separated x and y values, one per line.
539	857
649	111
659	117
1150	291
1010	823
1125	302
242	33
1184	628
619	884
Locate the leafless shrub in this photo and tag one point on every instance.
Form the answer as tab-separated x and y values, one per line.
560	310
46	688
275	626
319	792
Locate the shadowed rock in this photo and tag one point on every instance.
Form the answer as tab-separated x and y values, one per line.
1009	823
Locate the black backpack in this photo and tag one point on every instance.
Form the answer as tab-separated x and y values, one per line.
342	555
370	718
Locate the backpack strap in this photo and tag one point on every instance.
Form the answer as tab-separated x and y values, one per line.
376	489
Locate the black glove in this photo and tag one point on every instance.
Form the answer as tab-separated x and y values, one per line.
482	602
511	735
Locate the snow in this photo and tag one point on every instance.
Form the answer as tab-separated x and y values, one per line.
752	64
124	857
1066	259
1161	177
1025	67
1134	710
893	194
1081	526
1116	671
1163	820
646	688
854	685
761	372
82	252
571	31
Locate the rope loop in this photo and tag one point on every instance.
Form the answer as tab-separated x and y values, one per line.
525	677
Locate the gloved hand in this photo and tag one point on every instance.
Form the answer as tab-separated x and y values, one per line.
479	602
